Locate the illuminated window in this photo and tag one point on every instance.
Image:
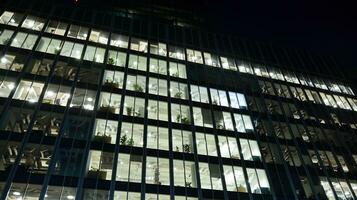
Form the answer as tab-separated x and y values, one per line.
95	54
199	94
99	36
176	52
71	49
158	66
11	18
48	45
134	106
158	138
24	40
157	171
158	48
194	56
177	70
137	62
34	23
132	134
139	45
29	91
109	102
211	59
116	58
5	36
210	175
119	40
228	63
78	32
56	27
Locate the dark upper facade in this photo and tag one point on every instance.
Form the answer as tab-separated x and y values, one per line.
141	100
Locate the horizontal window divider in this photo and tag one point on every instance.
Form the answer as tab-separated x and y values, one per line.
112	90
13	74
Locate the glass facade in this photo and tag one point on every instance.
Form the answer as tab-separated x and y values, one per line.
100	113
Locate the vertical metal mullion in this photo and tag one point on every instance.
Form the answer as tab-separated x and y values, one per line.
57	142
143	173
314	146
286	168
244	168
234	125
26	138
337	130
264	163
220	163
285	118
79	192
294	139
333	151
21	74
257	137
51	166
120	118
215	130
171	155
193	132
340	169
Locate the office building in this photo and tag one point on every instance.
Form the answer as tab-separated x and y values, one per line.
121	102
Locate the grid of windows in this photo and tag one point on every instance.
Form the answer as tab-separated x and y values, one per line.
116	109
99	36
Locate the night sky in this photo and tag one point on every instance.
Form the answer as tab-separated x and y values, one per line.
325	27
320	26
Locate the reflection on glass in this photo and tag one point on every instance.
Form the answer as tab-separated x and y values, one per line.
95	54
57	95
5	36
56	27
29	91
129	168
157	171
99	36
182	141
116	58
6	86
184	174
78	32
139	45
105	131
100	165
113	79
211	59
119	40
158	48
132	134
34	23
109	102
83	99
158	138
234	178
11	18
210	176
158	66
